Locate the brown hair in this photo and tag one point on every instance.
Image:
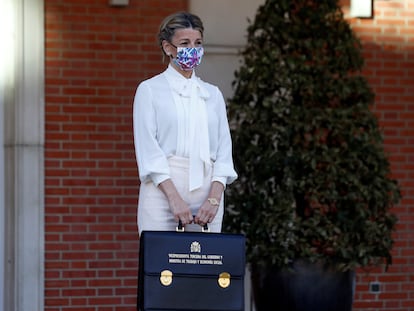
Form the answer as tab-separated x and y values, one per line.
180	20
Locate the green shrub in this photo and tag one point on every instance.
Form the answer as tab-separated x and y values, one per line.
314	180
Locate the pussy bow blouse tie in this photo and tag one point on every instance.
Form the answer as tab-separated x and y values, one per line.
199	137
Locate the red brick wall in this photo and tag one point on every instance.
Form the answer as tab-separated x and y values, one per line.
95	56
388	40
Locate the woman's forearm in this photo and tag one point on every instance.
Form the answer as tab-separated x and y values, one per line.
216	190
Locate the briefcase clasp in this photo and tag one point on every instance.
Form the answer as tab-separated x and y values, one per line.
224	280
166	277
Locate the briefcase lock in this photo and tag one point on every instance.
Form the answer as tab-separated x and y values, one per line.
224	280
166	277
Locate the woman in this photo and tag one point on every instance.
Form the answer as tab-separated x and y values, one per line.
181	135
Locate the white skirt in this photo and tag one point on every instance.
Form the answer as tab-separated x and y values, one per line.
154	211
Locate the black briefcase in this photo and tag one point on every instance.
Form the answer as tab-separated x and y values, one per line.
191	271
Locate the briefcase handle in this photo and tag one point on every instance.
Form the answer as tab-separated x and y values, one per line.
181	228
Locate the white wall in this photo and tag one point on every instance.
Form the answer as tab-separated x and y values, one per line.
225	23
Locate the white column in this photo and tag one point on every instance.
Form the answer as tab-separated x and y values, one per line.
24	159
2	201
6	77
225	29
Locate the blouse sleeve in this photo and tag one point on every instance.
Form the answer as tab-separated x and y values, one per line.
152	162
223	165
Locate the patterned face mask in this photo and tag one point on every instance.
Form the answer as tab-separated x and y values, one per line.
188	58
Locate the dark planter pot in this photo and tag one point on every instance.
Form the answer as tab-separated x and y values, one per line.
302	287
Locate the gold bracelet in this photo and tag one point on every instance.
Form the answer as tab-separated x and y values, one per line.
213	201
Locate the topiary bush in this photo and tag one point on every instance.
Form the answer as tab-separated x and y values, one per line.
314	179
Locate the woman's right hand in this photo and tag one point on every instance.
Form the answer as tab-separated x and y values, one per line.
178	206
180	210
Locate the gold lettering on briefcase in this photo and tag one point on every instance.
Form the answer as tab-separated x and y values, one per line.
224	280
166	277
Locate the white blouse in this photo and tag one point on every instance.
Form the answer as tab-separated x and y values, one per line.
173	115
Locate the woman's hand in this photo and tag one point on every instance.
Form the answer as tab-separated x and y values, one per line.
180	210
208	210
178	206
206	213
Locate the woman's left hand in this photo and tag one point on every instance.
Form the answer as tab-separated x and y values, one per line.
208	210
206	213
